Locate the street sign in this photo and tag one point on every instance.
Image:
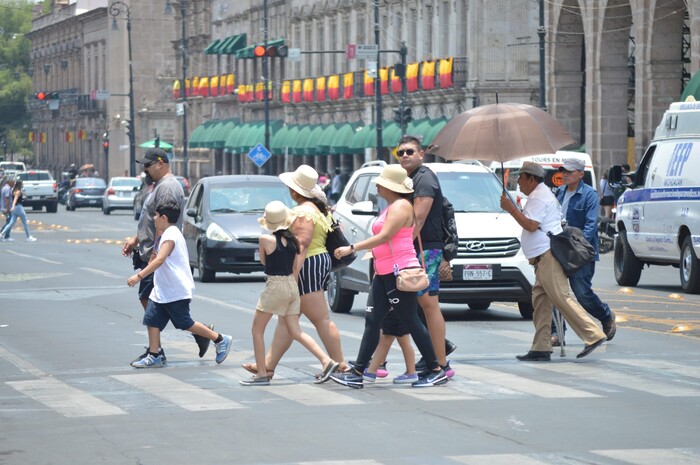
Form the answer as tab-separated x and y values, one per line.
367	51
372	69
259	154
294	54
98	94
351	51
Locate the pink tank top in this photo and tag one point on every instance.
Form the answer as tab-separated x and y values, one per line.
404	253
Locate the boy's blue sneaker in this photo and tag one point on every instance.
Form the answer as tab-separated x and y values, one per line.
223	348
149	361
161	352
406	378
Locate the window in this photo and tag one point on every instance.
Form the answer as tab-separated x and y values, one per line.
246	198
358	189
34	176
471	192
126	182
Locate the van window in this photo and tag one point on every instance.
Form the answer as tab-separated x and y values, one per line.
643	168
552	178
358	189
34	176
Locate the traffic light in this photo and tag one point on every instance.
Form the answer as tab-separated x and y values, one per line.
44	95
407	115
271	51
404	115
397	115
105	143
129	127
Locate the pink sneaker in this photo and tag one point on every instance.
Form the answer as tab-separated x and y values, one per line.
382	371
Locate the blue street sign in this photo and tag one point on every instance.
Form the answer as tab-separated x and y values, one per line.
259	154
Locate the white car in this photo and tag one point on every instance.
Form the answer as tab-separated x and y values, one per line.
119	194
490	265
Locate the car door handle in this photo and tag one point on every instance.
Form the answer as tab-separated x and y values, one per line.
354	230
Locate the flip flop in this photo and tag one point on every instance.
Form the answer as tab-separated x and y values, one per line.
328	370
249	368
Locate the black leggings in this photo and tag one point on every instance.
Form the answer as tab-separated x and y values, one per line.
384	296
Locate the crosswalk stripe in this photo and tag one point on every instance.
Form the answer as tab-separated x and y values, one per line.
306	394
64	399
178	392
342	462
439	393
496	459
650	456
606	376
518	335
660	365
518	383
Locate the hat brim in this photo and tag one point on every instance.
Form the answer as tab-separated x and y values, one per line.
288	179
392	186
276	226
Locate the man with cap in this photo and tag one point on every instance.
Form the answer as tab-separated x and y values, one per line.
156	165
579	206
540	216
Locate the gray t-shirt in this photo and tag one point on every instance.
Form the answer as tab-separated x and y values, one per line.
168	188
6	198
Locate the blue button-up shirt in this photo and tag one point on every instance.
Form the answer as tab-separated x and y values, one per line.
582	211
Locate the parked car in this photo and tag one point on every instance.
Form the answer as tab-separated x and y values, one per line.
141	195
40	190
221	222
86	192
120	194
490	265
185	184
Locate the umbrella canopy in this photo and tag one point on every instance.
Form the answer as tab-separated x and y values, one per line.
149	144
500	132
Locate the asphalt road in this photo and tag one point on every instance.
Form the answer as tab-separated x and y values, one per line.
69	326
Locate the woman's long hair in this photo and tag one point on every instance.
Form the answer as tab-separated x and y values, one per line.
322	206
18	186
287	234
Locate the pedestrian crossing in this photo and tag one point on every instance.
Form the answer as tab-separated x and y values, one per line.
202	387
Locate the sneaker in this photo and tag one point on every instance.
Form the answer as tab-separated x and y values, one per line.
434	378
8	239
610	326
223	348
350	378
149	361
421	366
161	353
369	377
382	371
31	239
255	381
203	342
449	372
406	378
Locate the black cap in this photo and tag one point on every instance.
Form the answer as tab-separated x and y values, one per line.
153	155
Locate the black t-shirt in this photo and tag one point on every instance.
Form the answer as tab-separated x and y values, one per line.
426	184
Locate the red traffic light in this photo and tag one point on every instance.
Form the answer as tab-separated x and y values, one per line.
40	95
271	51
259	51
105	145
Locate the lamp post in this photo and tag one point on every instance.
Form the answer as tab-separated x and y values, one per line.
184	90
115	10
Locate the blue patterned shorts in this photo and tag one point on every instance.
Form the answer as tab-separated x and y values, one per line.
432	258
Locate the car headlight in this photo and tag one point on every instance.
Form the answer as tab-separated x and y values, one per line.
216	233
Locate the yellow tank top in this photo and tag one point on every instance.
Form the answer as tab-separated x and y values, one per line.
322	226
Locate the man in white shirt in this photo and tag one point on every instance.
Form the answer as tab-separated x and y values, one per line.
542	214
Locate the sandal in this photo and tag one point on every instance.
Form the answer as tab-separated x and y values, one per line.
249	367
328	370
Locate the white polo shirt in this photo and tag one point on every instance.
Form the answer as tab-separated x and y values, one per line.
542	206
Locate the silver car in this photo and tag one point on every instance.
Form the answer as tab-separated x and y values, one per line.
119	194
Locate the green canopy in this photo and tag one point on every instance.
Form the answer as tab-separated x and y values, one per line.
692	88
149	144
312	142
299	145
344	137
358	143
219	134
391	134
437	125
278	141
235	138
323	146
201	134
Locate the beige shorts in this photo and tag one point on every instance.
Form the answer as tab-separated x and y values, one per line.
280	296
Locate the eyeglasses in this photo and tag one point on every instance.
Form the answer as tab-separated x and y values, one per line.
408	152
148	165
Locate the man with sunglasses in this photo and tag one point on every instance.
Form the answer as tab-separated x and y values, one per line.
579	206
427	204
167	188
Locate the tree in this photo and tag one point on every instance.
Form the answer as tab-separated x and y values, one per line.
15	83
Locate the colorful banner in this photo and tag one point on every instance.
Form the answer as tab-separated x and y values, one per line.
296	91
321	89
214	86
395	81
43	138
32	136
348	85
446	73
69	137
230	83
241	93
259	87
176	89
384	84
286	92
82	134
308	90
334	87
369	85
249	92
428	75
203	87
412	77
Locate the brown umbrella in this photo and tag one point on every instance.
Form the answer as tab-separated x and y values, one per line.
500	132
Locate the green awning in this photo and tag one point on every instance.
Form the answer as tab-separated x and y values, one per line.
255	134
692	88
436	126
233	44
343	142
312	141
247	52
391	134
220	133
419	127
290	140
235	138
300	143
323	146
358	140
211	48
201	134
278	141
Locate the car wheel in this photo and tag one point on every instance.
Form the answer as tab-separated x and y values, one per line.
52	207
205	274
526	310
340	300
479	305
628	268
689	268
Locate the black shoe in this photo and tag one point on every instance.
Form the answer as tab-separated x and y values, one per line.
350	378
421	366
161	352
434	378
610	326
535	356
449	347
590	348
203	342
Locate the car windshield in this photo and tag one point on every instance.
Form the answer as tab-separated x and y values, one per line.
126	182
90	182
34	176
471	192
246	198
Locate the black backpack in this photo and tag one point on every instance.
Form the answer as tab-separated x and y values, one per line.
449	227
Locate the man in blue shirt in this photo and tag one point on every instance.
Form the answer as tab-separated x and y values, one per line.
579	206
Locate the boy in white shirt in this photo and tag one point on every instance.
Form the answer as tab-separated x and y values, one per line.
172	290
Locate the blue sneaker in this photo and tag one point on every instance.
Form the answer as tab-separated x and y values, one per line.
223	348
369	377
149	361
434	378
350	378
406	378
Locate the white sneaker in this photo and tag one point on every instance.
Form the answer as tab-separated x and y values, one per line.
7	239
31	239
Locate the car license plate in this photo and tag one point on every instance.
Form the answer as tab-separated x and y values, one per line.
256	256
477	273
34	197
92	201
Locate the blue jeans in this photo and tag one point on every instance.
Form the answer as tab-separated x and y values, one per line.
17	213
581	284
6	235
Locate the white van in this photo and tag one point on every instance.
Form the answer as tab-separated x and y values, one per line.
658	217
551	164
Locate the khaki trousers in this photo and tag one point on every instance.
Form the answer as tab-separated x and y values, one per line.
552	288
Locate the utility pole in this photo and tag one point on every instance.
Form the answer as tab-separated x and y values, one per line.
266	82
404	91
378	82
184	91
541	32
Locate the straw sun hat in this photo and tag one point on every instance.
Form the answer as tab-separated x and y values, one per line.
395	178
277	216
302	180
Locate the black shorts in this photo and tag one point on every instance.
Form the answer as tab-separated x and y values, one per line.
607	200
391	326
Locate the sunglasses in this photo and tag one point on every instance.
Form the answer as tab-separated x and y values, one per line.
148	165
408	152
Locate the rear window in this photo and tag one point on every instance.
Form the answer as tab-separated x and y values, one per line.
471	192
90	182
126	182
34	176
12	166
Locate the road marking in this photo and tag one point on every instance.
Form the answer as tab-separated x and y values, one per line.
64	399
34	257
184	395
21	363
650	456
342	462
101	272
518	335
496	459
438	393
518	383
635	382
21	277
666	367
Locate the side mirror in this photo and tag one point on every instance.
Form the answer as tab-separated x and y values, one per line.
615	174
191	212
366	208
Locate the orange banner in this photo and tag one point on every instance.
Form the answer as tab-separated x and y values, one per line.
296	91
69	137
259	87
446	73
333	87
412	77
286	92
321	89
428	75
176	89
348	85
43	137
230	83
395	82
241	93
369	85
32	136
384	77
203	87
308	90
214	86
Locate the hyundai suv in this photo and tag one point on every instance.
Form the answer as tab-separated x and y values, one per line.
490	265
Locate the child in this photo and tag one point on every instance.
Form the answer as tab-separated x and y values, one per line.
393	329
280	254
172	290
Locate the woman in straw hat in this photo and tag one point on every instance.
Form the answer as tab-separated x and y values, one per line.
392	248
280	297
312	223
